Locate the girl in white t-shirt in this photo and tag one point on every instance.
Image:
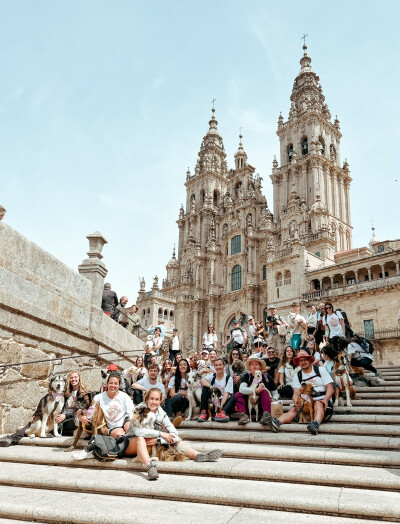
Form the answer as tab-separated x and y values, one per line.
286	373
116	406
335	322
210	338
178	389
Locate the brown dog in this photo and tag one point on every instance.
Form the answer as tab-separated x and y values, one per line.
307	403
97	424
342	379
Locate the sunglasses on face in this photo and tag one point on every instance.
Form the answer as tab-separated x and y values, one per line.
328	307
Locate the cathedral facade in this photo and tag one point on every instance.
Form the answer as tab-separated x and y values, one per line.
236	255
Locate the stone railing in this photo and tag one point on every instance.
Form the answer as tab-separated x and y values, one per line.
379	334
353	288
283	253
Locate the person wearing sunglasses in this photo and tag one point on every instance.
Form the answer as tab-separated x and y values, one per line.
334	321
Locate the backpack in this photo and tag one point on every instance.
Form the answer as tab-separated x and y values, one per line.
107	448
300	374
366	345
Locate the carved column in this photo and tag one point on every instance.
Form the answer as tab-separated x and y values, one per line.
397	268
383	270
93	268
344	280
195	328
369	274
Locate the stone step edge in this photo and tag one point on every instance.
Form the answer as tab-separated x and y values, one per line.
263	469
332	500
88	508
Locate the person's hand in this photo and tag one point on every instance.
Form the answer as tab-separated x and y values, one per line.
168	437
267	368
184	393
60	418
280	386
236	380
151	441
260	388
324	403
83	419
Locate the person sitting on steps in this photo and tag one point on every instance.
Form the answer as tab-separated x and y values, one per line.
265	390
224	382
144	384
323	387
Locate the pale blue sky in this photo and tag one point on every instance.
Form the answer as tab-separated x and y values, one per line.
103	106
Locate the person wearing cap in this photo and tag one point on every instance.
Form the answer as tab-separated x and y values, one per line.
268	354
274	339
238	336
209	358
297	323
323	387
173	345
265	390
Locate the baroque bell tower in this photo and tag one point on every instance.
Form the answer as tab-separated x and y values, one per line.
311	185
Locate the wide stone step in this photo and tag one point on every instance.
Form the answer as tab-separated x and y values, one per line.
328	428
335	501
376	401
300	439
239	468
330	455
92	508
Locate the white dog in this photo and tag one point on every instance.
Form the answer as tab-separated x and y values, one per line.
49	407
193	391
253	398
294	323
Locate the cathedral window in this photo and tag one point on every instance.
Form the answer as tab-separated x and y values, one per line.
287	278
290	152
304	146
264	272
236	277
215	198
321	145
236	245
160	313
202	196
165	314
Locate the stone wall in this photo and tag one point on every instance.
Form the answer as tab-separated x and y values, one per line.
49	310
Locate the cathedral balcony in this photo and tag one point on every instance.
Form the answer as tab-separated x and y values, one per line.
351	288
380	334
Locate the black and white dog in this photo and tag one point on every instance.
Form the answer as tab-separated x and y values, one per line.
49	407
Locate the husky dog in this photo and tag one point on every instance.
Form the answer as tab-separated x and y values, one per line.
193	391
253	398
48	408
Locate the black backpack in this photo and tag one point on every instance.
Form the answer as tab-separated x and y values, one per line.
107	448
366	344
316	374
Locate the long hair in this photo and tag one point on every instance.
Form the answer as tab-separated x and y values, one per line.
68	388
136	363
230	358
286	360
150	391
213	329
333	309
178	375
163	369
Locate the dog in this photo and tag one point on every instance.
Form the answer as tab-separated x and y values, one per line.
213	402
49	407
252	402
237	371
293	321
342	379
306	413
193	392
93	412
142	417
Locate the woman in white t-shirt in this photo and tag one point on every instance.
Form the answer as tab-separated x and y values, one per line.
286	373
178	389
117	407
335	322
210	338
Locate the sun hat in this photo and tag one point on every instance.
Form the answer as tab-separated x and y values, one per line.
300	354
255	359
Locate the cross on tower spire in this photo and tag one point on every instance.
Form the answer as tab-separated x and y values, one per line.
304	40
212	101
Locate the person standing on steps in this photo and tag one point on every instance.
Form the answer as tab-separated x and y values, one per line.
323	387
238	337
174	345
109	300
134	321
121	313
273	321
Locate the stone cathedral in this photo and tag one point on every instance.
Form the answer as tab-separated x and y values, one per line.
236	253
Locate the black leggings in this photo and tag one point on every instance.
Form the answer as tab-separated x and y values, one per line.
179	403
363	363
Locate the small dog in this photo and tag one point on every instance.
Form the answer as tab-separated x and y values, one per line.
48	408
306	413
293	321
253	398
342	379
237	371
144	418
149	346
213	402
93	412
193	392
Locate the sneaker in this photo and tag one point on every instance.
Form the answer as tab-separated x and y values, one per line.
5	442
268	420
221	416
244	419
152	473
177	421
313	427
210	456
203	416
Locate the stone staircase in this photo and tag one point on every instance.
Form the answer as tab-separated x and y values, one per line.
350	472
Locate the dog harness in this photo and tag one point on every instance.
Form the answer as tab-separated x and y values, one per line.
57	396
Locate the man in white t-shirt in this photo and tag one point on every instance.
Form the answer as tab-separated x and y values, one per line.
238	336
146	383
322	383
222	381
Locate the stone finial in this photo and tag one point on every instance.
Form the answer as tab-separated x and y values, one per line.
96	244
188	174
142	284
155	284
280	120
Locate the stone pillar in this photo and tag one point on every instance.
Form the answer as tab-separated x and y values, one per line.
356	276
93	268
383	270
331	282
195	329
344	280
369	274
397	268
210	316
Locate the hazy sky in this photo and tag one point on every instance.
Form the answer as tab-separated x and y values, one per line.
103	106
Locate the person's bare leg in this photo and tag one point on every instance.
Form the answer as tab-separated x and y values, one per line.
288	417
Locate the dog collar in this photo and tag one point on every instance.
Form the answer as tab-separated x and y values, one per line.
89	412
58	396
307	398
